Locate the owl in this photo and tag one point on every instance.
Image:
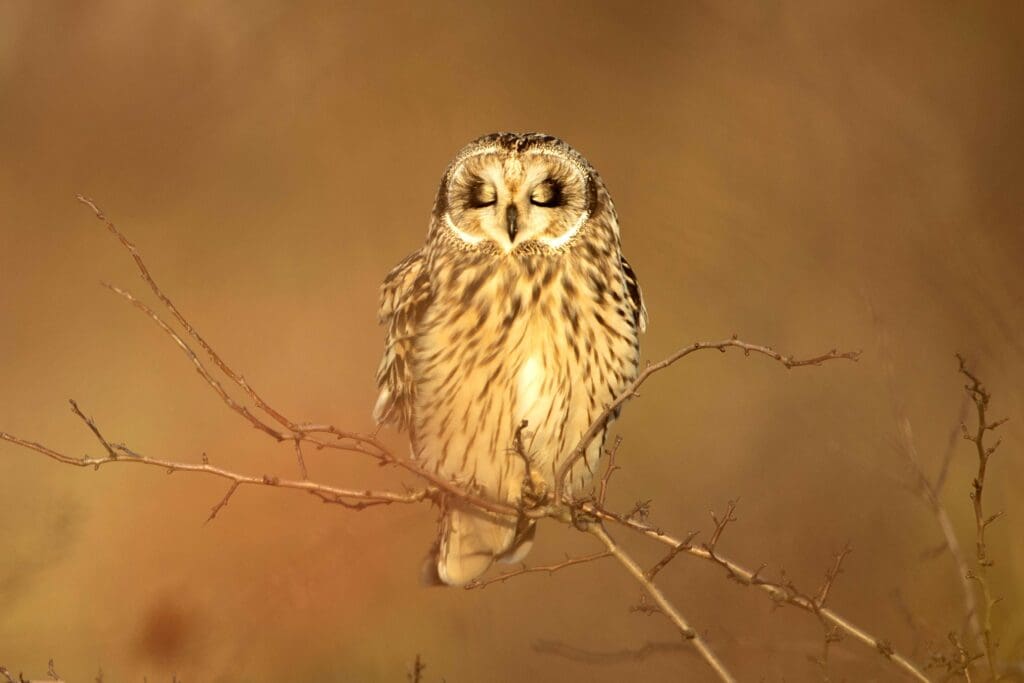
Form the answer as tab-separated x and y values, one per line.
520	309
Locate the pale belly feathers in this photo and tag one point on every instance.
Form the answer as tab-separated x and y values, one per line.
511	352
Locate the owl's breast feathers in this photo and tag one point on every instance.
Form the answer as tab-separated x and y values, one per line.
477	344
404	296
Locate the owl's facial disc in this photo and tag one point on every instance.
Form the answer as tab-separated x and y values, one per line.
511	199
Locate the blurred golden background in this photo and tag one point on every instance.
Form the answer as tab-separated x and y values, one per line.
807	175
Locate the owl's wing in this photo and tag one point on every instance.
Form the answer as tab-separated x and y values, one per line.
403	297
633	288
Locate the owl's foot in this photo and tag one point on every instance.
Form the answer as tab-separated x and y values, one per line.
535	488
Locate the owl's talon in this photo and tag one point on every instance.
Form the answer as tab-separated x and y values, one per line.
535	488
538	483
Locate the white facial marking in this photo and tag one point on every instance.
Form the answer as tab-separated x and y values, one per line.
563	239
459	232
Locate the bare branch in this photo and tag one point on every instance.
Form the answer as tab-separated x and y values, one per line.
93	428
171	467
222	502
686	544
831	574
781	593
144	271
720	525
200	368
630	391
300	459
930	493
344	440
981	397
663	604
549	569
609	470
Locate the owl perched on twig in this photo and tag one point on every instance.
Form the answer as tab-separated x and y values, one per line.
519	308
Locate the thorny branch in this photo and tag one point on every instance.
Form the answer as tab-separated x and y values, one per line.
587	514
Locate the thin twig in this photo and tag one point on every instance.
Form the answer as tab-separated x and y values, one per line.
300	459
981	397
549	569
93	428
720	525
386	497
609	470
144	271
780	593
923	487
200	368
223	501
630	391
663	604
831	574
345	441
686	544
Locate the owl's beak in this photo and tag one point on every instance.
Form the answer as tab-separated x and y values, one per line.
511	217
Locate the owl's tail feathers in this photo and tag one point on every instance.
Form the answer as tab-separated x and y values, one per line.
471	541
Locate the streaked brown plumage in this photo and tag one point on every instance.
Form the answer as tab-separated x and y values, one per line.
520	306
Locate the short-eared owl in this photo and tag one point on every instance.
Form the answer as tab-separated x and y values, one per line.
520	306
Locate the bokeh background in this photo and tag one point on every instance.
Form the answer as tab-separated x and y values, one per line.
807	175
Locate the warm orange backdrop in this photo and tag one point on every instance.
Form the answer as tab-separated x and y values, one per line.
805	174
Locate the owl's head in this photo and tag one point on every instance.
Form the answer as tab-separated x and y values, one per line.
506	192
